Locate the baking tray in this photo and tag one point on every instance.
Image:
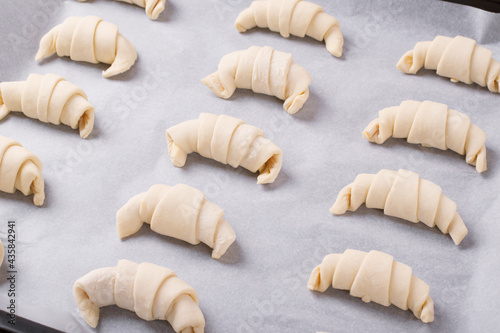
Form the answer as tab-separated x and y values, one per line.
283	229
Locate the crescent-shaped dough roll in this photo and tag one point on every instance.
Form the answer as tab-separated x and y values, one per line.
50	99
20	170
374	277
432	125
458	58
227	140
405	195
151	291
265	71
153	7
293	17
181	212
89	39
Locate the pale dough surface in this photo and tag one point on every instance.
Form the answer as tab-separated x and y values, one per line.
50	99
459	58
374	277
293	17
153	292
89	39
265	71
179	211
153	8
20	170
227	140
405	195
431	124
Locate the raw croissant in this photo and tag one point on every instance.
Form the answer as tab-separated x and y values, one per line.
403	194
374	276
180	211
50	99
151	291
296	17
153	7
227	140
458	58
265	71
89	39
20	169
432	125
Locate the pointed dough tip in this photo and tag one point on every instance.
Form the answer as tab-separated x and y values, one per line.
427	315
224	238
314	282
239	27
38	199
406	62
4	111
213	82
335	49
295	102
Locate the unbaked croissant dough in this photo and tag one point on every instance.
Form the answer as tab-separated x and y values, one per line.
151	291
432	125
374	276
265	71
89	39
50	99
153	7
295	17
458	58
181	212
20	169
403	194
227	140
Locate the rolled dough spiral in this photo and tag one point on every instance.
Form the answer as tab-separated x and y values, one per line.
405	195
151	291
227	140
374	277
458	58
178	211
50	99
265	71
89	39
20	169
432	125
153	7
293	17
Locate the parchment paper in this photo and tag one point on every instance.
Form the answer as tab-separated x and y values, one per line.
284	229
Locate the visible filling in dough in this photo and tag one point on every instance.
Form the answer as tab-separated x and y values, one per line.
50	99
227	140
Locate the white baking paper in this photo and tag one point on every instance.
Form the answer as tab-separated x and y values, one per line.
283	229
